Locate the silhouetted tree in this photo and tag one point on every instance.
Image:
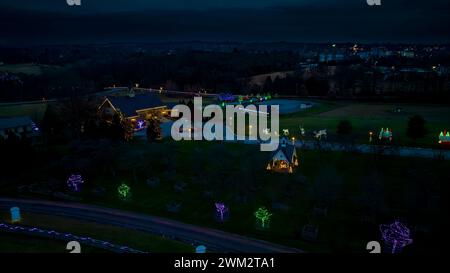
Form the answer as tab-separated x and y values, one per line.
153	129
344	127
416	127
268	84
317	87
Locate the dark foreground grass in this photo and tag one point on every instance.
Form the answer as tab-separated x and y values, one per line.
14	243
354	185
362	191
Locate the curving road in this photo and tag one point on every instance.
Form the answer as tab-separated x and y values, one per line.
216	240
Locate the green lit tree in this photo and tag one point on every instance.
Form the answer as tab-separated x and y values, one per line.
263	217
124	191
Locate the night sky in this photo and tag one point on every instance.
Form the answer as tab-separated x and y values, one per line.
26	22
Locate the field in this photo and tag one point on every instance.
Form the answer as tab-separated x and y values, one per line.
367	118
354	186
360	191
35	110
27	68
239	180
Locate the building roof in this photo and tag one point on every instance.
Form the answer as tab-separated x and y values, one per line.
129	105
287	149
14	122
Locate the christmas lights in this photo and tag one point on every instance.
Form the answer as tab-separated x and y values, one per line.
385	134
221	210
444	137
74	182
124	191
395	237
263	217
15	215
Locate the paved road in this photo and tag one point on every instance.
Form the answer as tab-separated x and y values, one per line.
215	239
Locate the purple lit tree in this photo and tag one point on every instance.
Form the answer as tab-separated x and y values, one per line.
221	211
395	237
74	182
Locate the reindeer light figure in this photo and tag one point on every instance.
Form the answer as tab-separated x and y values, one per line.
302	131
319	134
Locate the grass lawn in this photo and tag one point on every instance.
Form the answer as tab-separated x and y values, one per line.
363	191
35	111
366	117
18	243
234	173
28	68
135	239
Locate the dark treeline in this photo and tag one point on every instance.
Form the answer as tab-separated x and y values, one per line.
193	70
65	72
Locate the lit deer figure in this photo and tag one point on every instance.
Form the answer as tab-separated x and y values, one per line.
73	2
374	2
319	134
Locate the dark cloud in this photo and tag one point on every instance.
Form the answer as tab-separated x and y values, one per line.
327	20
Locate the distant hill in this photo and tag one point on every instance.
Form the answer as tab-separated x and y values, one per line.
261	78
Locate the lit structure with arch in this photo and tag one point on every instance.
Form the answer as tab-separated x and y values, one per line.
284	159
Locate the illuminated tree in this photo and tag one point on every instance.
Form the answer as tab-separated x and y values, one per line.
221	211
385	134
74	182
395	237
263	217
444	137
124	191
